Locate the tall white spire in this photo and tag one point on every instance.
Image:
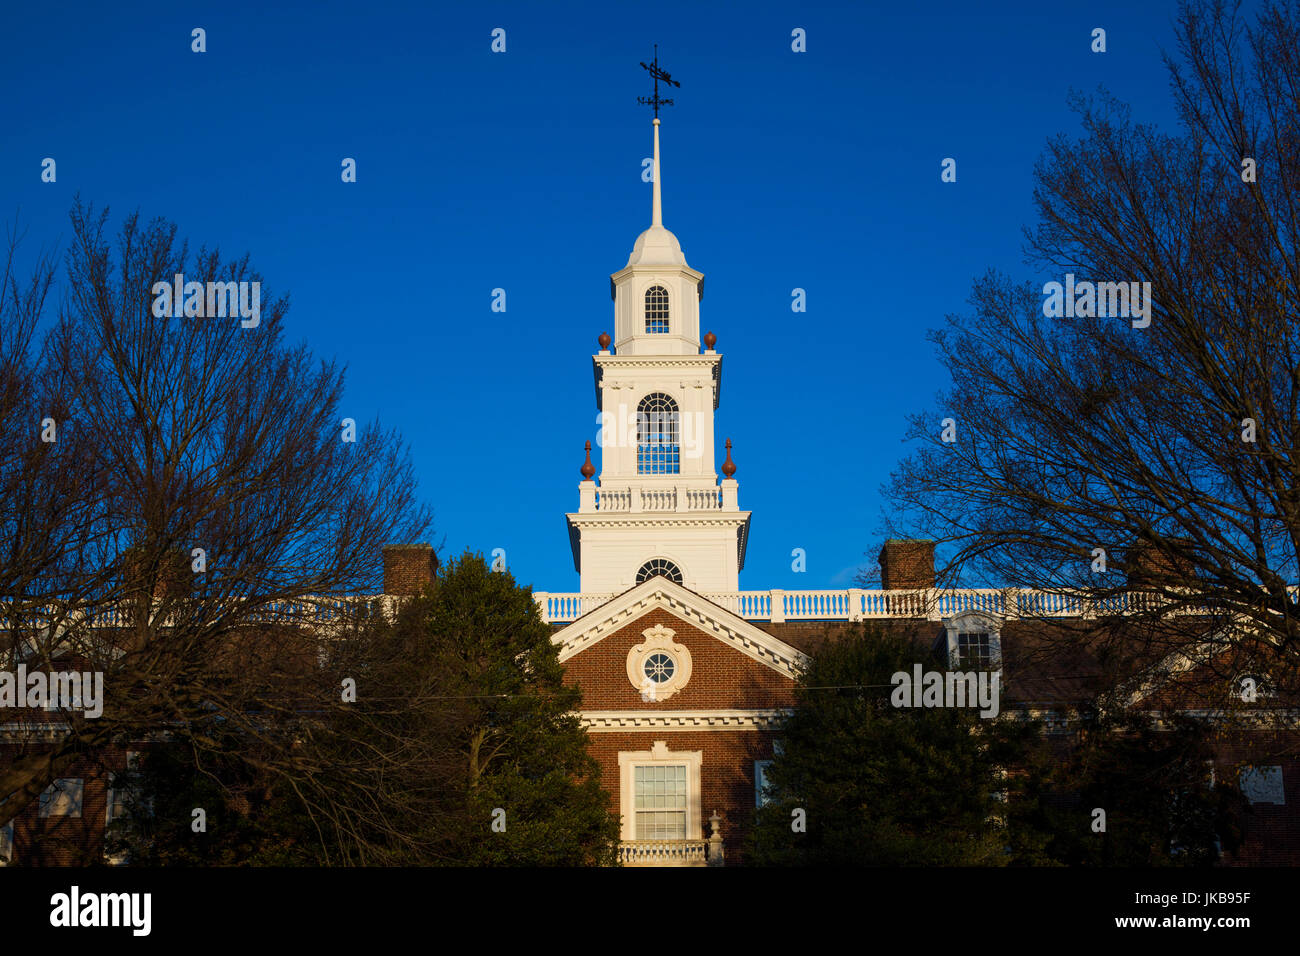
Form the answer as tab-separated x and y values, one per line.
657	246
656	209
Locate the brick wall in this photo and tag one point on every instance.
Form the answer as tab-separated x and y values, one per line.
1270	832
722	678
65	840
726	773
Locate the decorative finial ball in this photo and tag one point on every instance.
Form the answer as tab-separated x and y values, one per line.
588	469
728	466
604	341
710	340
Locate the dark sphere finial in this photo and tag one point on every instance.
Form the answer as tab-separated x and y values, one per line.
604	341
728	466
710	340
588	469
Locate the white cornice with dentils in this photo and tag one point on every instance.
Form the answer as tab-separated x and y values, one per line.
597	721
656	363
660	519
661	594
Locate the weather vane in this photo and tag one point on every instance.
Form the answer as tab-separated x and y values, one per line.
653	69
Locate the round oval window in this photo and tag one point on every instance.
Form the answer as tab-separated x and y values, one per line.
659	668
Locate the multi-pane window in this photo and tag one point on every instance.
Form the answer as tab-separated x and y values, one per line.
660	566
658	449
62	798
659	667
660	802
763	794
1262	785
974	649
656	309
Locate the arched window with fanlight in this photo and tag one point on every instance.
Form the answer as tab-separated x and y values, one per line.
658	443
659	566
656	309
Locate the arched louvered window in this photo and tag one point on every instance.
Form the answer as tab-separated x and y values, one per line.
656	309
660	566
658	448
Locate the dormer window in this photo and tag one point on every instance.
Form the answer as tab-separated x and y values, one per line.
974	649
974	641
656	309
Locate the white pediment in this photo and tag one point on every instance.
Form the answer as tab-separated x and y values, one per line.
661	594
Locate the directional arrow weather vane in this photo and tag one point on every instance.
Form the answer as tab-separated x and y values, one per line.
653	69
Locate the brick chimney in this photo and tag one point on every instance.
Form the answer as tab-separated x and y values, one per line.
408	568
1146	564
173	575
906	564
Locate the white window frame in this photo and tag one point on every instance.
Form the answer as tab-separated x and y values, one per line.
969	622
656	317
52	797
1249	788
763	791
660	755
114	799
658	640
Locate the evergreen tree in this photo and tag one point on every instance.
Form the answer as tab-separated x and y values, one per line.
1162	805
880	785
462	747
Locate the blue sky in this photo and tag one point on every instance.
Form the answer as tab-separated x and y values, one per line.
522	170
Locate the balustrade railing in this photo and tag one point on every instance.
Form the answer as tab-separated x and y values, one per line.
567	607
703	499
658	498
664	852
858	604
613	499
775	606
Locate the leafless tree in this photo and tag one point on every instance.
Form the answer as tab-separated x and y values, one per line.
197	501
1096	455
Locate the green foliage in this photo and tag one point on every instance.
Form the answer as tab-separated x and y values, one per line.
500	726
1155	788
460	711
250	819
890	786
881	785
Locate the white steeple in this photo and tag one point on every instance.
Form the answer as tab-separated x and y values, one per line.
657	261
657	246
659	501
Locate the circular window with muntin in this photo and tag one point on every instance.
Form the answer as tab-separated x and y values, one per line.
659	667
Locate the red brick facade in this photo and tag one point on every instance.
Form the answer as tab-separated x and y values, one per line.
726	773
721	712
1270	836
66	839
723	678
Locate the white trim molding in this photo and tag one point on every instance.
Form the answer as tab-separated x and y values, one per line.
658	640
974	622
604	721
660	755
661	594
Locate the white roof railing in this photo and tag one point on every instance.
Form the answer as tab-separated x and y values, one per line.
859	604
774	606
